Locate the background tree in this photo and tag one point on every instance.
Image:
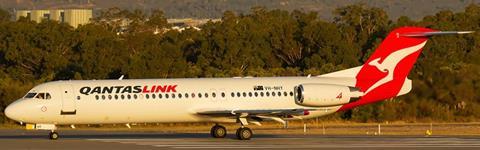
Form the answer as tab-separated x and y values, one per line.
446	77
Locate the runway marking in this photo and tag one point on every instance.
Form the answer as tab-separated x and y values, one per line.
232	147
270	143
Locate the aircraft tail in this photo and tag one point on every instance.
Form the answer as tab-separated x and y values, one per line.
384	74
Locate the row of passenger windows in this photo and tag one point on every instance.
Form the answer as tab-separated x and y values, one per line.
192	95
261	94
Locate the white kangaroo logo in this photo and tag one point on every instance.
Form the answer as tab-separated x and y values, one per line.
390	62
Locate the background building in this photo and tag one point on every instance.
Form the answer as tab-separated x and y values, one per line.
73	17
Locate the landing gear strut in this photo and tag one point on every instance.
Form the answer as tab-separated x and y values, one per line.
244	133
53	135
218	131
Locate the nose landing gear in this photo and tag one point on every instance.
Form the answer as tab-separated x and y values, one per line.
53	135
51	127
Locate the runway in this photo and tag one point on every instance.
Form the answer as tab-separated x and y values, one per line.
119	140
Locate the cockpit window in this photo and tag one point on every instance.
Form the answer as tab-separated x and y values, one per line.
38	95
30	95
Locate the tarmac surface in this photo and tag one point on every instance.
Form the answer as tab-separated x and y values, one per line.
13	139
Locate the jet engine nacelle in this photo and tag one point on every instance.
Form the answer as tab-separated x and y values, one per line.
324	95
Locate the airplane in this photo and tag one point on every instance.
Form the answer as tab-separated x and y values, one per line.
241	100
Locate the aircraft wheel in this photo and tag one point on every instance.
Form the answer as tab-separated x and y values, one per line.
53	135
244	133
218	131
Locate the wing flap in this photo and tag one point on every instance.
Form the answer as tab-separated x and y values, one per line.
257	112
251	111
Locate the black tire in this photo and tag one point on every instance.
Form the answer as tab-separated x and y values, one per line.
218	131
244	133
53	135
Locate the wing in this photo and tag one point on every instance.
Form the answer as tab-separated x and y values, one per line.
234	112
245	116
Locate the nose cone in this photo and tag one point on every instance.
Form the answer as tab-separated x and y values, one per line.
12	111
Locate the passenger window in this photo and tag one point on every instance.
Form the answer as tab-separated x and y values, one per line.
284	93
109	97
179	95
122	96
291	93
193	95
273	93
250	94
199	95
279	93
238	94
47	96
173	95
153	96
261	94
103	97
135	96
78	97
128	96
206	95
97	97
186	95
267	94
232	94
166	95
159	95
214	95
116	96
147	96
223	94
256	94
244	94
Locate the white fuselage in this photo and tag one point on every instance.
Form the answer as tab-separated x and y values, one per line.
78	102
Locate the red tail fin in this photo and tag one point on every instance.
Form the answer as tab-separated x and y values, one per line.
384	73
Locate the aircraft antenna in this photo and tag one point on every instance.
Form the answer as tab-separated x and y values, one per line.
121	77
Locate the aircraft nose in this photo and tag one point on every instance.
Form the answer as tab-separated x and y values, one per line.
12	111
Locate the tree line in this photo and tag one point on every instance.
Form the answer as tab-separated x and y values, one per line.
263	42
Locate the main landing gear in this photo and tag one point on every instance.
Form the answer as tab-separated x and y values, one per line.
243	133
218	131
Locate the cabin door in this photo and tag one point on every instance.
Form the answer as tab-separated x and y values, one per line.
68	101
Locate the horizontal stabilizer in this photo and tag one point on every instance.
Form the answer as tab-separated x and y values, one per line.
432	33
348	73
